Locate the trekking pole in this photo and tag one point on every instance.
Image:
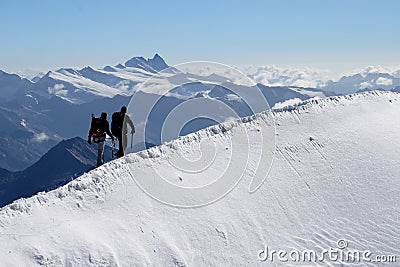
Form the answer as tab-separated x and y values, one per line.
112	142
131	139
112	148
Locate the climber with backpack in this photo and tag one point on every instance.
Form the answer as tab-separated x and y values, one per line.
119	129
99	127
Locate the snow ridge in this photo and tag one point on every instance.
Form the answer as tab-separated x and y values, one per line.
338	100
334	177
87	181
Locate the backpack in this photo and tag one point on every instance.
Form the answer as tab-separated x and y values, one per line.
96	130
117	120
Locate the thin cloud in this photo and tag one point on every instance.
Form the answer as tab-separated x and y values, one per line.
280	76
384	81
40	137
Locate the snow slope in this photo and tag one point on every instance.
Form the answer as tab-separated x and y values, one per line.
335	176
66	160
86	84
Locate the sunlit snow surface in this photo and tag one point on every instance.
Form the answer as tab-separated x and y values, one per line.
335	176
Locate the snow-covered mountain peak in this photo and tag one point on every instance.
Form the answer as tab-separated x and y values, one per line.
158	62
154	65
141	63
12	85
110	69
68	71
87	68
5	75
120	66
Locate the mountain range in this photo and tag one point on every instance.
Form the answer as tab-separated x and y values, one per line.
87	84
38	115
369	78
363	82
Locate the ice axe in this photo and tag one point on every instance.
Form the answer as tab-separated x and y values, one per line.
112	148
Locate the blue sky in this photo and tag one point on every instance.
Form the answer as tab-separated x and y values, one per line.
340	35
